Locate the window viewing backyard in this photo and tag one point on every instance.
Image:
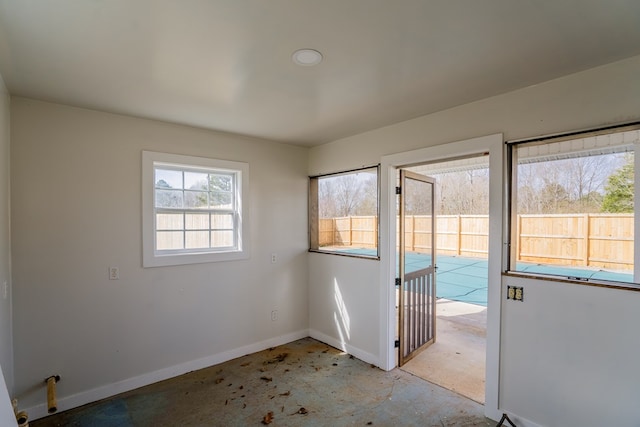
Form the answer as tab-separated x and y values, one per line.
193	209
573	204
343	212
572	213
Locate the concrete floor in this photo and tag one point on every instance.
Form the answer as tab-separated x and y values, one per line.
456	360
301	383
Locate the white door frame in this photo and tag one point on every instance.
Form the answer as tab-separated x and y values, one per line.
494	145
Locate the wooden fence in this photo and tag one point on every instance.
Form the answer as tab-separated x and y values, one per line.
357	231
591	240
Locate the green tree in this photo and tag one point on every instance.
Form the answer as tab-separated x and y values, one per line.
618	196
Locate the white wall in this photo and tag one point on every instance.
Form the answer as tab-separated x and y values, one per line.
6	341
76	210
604	95
344	304
570	355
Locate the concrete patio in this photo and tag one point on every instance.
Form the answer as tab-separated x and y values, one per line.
456	361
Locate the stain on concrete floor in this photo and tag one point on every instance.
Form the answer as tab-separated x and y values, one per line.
303	383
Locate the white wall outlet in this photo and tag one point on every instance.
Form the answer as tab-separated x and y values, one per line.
114	273
274	258
274	315
515	293
5	290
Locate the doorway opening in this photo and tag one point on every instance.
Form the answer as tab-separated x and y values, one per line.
455	238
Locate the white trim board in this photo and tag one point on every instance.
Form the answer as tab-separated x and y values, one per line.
347	348
518	421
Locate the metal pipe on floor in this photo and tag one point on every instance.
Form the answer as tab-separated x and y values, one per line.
21	416
52	404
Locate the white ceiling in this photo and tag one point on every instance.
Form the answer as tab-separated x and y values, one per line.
226	64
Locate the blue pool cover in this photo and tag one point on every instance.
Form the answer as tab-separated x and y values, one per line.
465	279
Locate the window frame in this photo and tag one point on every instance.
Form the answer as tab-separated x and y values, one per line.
153	257
512	211
314	216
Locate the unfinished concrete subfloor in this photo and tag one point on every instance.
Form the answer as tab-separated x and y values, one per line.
456	360
303	383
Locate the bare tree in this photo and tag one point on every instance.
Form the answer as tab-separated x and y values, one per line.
462	192
348	195
569	185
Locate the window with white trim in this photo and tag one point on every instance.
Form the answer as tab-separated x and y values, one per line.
193	210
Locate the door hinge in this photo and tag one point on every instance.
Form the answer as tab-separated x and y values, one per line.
398	190
397	281
396	344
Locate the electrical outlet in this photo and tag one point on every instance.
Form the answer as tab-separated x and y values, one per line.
274	315
274	258
519	294
5	290
114	273
515	293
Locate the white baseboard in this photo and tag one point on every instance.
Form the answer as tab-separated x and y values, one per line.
98	393
519	421
346	347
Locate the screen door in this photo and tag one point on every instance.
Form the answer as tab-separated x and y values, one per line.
417	290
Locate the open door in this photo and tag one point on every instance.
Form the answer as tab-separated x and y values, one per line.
417	292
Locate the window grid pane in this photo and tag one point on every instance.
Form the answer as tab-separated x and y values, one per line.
179	196
197	221
196	181
197	240
196	199
169	198
222	239
222	222
169	221
167	178
170	240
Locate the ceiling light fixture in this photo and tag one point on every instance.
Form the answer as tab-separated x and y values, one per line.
306	57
